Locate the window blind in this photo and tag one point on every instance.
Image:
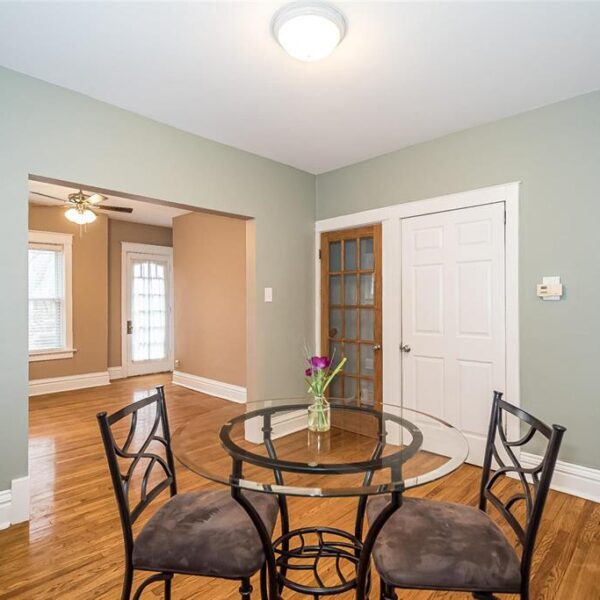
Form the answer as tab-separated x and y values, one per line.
47	327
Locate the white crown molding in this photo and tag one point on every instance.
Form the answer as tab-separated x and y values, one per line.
226	391
115	373
583	482
52	385
14	503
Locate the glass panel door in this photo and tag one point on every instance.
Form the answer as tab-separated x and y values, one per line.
149	310
351	310
147	322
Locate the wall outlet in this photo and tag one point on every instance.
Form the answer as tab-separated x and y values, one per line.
177	363
268	294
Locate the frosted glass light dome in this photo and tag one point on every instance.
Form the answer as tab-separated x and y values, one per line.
80	217
309	31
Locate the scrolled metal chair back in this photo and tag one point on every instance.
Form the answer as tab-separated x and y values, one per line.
535	481
139	455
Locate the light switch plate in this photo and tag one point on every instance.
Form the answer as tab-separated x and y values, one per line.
268	294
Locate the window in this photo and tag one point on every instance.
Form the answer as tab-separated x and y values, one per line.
50	324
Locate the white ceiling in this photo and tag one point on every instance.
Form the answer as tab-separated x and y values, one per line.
143	212
405	73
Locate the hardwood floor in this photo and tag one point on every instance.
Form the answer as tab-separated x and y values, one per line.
72	547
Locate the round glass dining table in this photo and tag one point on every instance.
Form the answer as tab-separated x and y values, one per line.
266	447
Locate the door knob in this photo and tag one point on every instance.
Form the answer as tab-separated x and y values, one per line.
405	348
377	347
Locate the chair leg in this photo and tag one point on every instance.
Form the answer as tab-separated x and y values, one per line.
168	587
264	588
127	583
386	591
246	589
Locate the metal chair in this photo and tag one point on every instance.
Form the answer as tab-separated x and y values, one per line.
434	545
205	533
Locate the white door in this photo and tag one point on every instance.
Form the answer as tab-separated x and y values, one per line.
147	321
453	318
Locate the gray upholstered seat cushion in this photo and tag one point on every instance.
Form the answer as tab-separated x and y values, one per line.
205	533
438	545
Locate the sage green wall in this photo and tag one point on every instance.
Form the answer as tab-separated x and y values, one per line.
555	152
49	131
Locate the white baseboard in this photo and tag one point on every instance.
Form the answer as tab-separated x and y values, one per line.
291	422
115	373
14	503
5	508
285	424
67	383
227	391
576	480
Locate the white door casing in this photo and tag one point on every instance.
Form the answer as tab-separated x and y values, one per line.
146	303
453	318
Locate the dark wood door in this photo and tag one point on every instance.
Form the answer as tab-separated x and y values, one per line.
351	311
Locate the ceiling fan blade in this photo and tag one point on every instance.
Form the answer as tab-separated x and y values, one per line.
48	196
95	198
121	209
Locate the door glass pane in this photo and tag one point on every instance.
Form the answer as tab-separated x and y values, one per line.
367	359
335	289
351	352
367	288
336	389
351	323
335	323
349	387
367	324
335	350
350	255
335	256
367	393
366	254
148	310
350	292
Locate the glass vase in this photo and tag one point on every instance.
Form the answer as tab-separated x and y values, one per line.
319	415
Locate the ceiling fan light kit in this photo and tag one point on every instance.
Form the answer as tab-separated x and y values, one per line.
80	206
309	31
81	216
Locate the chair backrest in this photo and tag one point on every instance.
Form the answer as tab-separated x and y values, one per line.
535	481
134	461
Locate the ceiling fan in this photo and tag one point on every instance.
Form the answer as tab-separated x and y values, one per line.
82	206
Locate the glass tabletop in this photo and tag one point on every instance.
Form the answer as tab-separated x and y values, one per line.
266	446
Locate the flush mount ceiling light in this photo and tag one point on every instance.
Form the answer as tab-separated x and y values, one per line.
309	31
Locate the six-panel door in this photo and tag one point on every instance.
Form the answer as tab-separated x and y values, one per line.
453	318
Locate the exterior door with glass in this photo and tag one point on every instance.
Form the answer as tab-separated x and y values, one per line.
147	329
351	311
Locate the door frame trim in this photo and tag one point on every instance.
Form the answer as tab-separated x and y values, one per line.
390	218
132	247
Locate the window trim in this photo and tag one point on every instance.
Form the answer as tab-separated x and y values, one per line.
66	241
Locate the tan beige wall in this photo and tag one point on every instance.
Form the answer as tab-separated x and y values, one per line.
123	231
209	265
90	300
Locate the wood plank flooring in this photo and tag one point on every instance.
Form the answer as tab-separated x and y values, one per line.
72	547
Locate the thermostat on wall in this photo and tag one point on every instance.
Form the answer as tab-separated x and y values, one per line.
550	289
